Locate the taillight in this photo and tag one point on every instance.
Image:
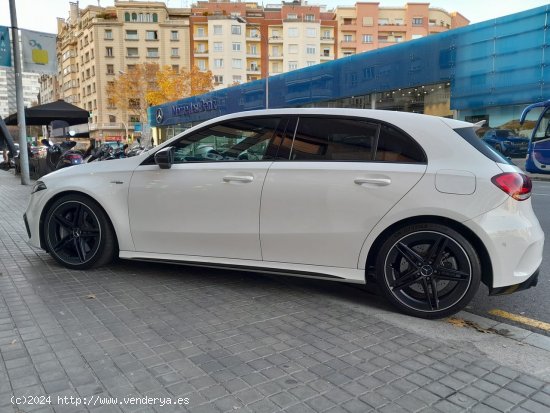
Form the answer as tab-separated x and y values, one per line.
73	156
517	185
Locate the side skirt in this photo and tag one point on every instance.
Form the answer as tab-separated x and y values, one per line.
348	275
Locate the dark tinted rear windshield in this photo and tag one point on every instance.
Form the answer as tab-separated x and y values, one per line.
470	136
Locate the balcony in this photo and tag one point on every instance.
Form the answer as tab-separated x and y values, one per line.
252	55
253	70
278	56
253	38
276	39
201	53
325	39
327	57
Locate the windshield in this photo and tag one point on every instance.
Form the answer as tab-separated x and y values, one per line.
543	128
503	133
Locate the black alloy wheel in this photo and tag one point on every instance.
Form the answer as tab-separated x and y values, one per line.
428	270
78	234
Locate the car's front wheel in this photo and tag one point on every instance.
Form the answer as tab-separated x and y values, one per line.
78	234
428	270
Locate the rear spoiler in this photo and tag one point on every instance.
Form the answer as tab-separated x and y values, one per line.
544	104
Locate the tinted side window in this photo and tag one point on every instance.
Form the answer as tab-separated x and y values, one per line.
470	136
238	140
396	146
333	139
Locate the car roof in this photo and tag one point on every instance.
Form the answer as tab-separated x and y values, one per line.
390	116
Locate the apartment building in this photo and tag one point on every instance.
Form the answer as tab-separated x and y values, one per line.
96	44
242	42
367	26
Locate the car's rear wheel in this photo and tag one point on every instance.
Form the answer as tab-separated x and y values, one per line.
78	234
428	270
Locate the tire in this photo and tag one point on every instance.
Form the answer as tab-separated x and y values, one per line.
78	234
428	270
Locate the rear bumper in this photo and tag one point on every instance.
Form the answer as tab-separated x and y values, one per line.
532	281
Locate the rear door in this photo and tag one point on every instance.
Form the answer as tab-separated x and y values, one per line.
342	176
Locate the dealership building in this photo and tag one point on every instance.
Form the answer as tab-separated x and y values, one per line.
489	70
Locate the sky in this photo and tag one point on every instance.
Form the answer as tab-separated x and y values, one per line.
41	15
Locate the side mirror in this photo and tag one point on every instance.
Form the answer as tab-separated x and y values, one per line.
165	157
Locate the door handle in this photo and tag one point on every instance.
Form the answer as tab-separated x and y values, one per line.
373	181
236	178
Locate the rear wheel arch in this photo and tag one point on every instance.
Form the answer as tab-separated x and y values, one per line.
61	195
486	264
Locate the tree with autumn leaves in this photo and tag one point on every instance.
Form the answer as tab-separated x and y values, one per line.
148	84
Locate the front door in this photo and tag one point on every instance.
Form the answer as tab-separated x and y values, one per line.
208	203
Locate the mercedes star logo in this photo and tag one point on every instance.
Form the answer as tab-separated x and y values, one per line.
159	116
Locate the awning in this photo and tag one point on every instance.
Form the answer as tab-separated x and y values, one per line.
44	114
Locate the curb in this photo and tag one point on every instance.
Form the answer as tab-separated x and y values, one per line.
512	332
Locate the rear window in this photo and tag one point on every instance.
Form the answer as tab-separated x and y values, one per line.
470	136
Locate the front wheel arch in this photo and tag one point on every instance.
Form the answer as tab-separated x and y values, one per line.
486	264
61	195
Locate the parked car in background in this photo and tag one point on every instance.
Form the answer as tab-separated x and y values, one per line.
347	195
507	142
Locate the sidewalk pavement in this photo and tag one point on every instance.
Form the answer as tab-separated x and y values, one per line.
226	341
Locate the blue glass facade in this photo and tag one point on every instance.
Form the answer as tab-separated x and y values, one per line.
500	62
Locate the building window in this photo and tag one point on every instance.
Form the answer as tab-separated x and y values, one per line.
152	52
398	22
126	17
218	79
237	78
292	16
348	21
292	32
348	38
310	49
326	34
367	21
108	34
254	33
326	52
201	48
275	34
416	36
311	32
132	51
310	63
398	39
235	29
383	22
236	47
382	39
218	46
109	51
175	52
151	35
176	68
253	50
292	48
417	21
292	65
275	51
201	64
155	18
134	17
367	38
432	22
275	68
309	17
132	35
218	63
237	64
174	35
217	29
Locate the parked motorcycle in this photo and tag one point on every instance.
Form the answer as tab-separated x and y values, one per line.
61	155
107	152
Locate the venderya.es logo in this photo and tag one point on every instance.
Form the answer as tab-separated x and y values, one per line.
159	116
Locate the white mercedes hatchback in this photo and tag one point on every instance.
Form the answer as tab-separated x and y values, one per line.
418	204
